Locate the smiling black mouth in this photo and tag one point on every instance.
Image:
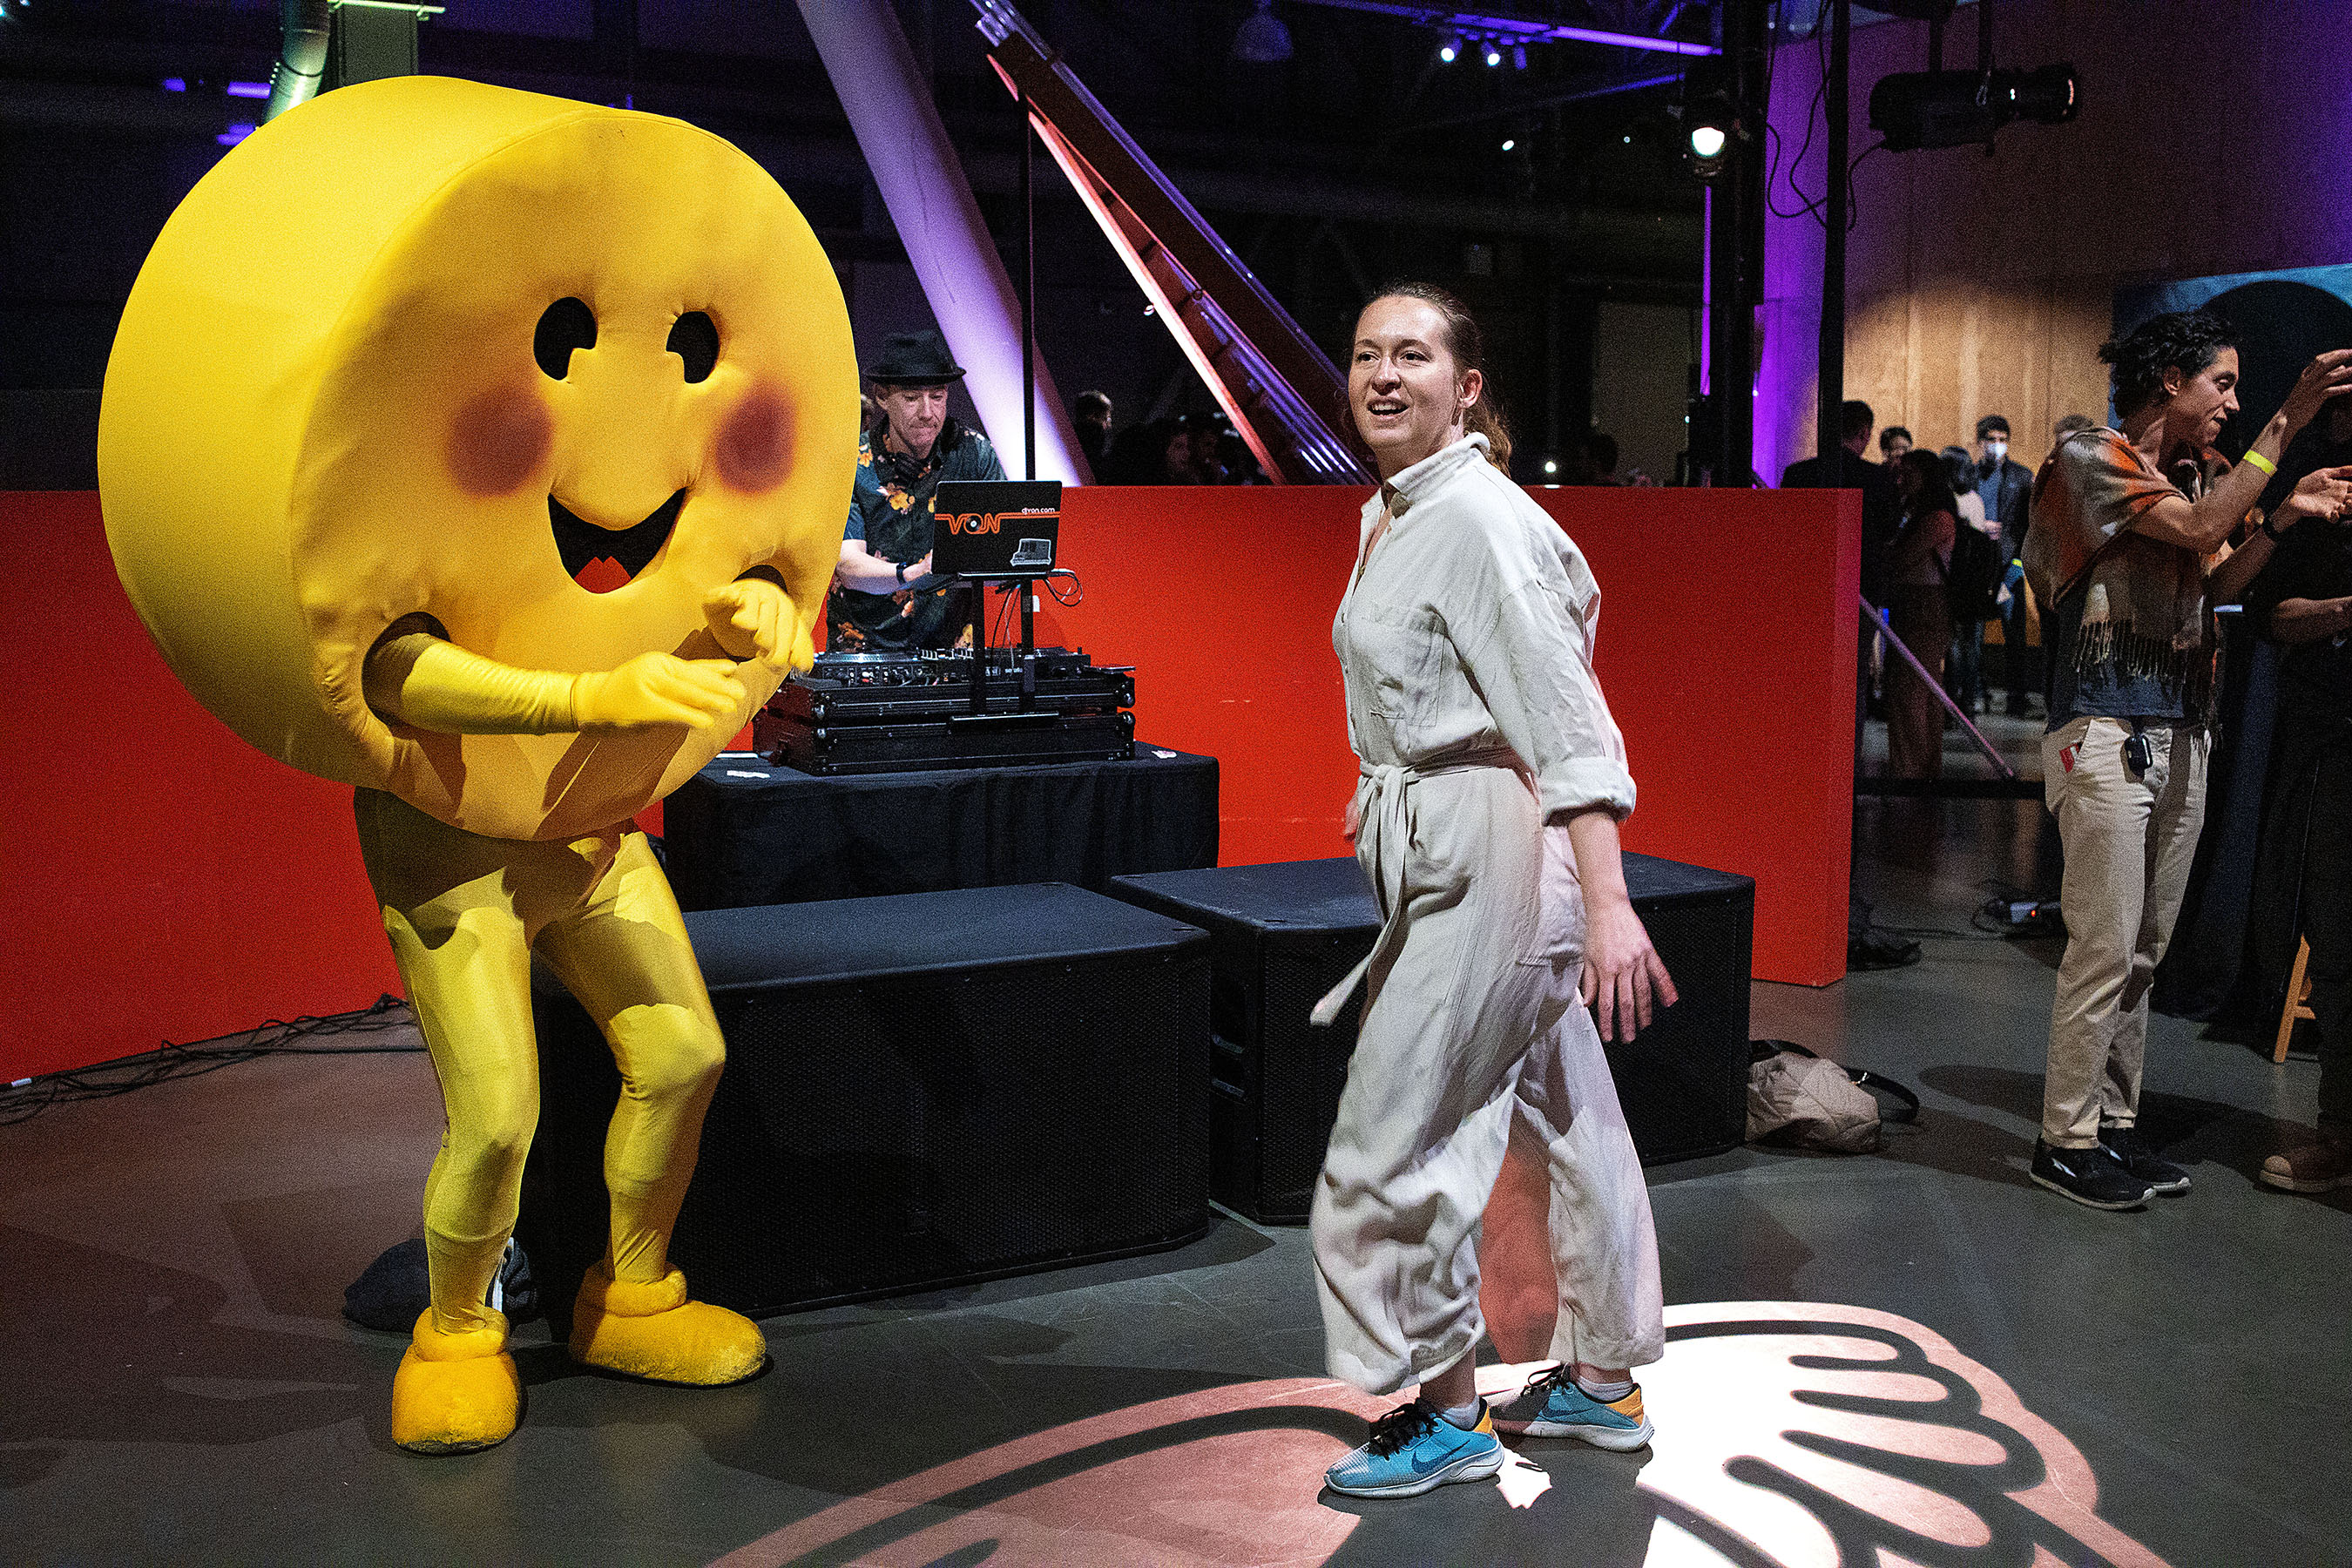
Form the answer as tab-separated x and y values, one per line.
582	544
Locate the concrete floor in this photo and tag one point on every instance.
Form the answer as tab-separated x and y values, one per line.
1963	1369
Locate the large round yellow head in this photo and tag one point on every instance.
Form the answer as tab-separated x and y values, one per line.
547	372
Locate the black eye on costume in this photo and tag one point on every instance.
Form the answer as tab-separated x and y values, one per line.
694	338
565	325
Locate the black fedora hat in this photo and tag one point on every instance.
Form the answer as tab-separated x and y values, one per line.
914	359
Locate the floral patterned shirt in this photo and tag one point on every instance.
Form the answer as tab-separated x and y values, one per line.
890	509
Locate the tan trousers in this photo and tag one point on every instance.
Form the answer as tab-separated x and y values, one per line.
2129	839
1473	1039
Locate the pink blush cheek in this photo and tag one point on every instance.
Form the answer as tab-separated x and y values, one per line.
498	441
752	447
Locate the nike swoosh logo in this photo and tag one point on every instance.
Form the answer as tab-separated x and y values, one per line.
1437	1464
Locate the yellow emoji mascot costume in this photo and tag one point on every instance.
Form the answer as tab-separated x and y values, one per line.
489	452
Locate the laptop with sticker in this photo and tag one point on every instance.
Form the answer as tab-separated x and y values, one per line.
995	530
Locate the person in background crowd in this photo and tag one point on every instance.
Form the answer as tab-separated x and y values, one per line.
1964	669
1487	820
1175	444
2303	879
2005	487
2128	554
1203	432
1596	463
912	444
1918	616
1091	413
1135	455
1882	514
2303	599
1240	465
1892	442
2068	423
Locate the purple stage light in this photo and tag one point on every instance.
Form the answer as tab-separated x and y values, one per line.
233	135
247	90
1516	29
175	84
915	166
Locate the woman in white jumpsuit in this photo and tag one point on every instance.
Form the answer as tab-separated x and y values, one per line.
1493	781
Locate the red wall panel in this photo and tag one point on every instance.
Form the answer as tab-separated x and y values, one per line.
164	880
160	879
1726	650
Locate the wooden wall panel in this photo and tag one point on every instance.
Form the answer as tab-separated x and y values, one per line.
2209	141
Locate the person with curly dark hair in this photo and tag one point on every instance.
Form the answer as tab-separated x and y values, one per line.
2129	551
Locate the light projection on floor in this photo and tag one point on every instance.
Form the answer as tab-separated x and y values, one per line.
1790	1434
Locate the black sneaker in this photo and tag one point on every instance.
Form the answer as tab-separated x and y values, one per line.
2144	1163
2094	1177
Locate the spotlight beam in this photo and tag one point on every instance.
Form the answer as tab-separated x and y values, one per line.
1512	29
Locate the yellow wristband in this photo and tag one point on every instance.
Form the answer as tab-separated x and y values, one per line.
2265	464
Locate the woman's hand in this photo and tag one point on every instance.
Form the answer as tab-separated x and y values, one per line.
1624	979
1352	819
2326	377
2324	493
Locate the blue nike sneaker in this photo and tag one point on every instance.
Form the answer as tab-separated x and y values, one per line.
1413	1450
1552	1405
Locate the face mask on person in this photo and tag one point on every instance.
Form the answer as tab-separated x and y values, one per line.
1995	450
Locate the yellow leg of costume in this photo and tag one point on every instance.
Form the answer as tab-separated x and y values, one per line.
462	912
626	958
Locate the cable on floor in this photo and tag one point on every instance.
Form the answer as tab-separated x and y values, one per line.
303	1036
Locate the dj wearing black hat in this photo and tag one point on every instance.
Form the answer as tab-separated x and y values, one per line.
911	445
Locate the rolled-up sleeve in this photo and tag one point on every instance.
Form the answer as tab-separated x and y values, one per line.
1533	666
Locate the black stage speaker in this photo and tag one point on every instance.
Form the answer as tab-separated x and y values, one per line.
1283	934
1280	936
921	1090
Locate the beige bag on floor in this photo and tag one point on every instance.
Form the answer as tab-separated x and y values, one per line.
1796	1098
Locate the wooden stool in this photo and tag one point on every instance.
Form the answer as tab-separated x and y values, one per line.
2298	999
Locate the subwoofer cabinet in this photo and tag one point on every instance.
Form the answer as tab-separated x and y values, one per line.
921	1090
1283	934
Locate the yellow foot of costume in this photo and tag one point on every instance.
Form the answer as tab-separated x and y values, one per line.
654	1332
455	1392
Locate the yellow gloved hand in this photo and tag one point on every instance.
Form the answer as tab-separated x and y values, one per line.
656	689
753	618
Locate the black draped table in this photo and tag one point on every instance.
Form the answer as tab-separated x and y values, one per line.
745	832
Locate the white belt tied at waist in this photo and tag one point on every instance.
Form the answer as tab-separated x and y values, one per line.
1385	820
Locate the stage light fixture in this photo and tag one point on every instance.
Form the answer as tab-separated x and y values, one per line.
1509	142
1711	127
1493	53
1552	465
1959	109
1519	57
1451	49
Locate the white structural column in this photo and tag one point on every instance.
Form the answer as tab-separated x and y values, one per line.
866	53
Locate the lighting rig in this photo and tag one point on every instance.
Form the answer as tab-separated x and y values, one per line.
1936	108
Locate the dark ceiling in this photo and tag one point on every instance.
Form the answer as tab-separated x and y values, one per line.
1362	118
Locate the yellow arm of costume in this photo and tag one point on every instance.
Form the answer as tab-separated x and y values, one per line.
421	680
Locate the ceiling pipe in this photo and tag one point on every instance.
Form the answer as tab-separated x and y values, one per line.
301	62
